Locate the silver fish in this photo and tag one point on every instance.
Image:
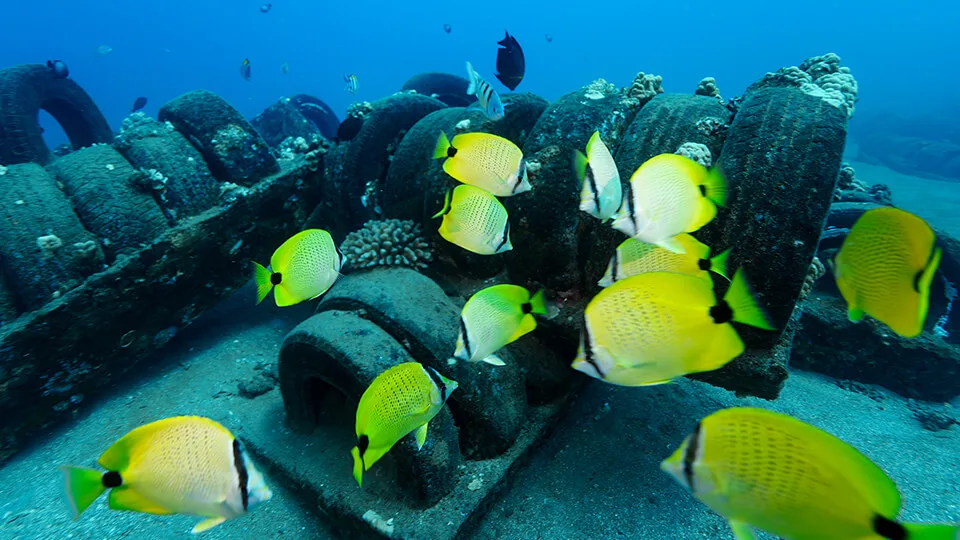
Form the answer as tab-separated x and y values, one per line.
488	97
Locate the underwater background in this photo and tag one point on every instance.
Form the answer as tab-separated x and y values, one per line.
163	322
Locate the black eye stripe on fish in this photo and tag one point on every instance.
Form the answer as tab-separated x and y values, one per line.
593	186
437	380
631	211
506	236
616	264
690	456
520	170
588	349
242	475
888	528
466	339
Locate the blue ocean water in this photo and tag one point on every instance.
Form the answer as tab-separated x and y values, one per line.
899	52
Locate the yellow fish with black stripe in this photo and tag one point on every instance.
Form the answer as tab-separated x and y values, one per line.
181	465
669	195
765	470
302	268
885	267
495	317
634	257
475	220
402	399
601	193
652	328
487	161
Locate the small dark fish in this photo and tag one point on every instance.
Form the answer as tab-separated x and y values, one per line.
59	68
510	62
140	103
548	37
447	28
349	128
245	69
264	8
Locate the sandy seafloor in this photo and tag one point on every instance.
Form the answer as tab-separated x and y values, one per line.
597	476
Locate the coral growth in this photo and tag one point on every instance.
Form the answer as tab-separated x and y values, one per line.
697	152
390	242
49	244
708	87
645	87
851	189
359	109
821	76
817	270
712	126
600	89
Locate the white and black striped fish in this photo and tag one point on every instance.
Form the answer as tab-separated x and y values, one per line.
488	97
353	83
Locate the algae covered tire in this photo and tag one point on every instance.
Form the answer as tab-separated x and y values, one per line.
666	122
102	186
27	89
44	249
781	159
448	88
234	151
318	112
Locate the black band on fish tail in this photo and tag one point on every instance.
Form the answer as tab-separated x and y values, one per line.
691	455
703	190
451	151
437	380
506	236
466	338
242	476
888	528
527	308
703	264
276	278
362	444
588	349
721	313
111	479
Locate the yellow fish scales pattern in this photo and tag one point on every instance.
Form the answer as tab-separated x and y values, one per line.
304	267
486	161
493	318
668	195
399	401
634	257
885	268
176	463
476	221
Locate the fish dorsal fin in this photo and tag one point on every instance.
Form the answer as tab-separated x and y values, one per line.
117	457
124	498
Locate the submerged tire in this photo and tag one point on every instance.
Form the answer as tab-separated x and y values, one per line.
27	89
781	159
448	88
44	249
234	151
147	144
103	187
318	112
665	123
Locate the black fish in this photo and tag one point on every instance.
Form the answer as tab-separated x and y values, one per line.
264	8
59	68
510	62
447	28
349	128
140	103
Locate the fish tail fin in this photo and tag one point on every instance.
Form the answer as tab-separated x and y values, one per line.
83	487
443	145
746	310
262	277
923	285
719	264
932	531
716	186
472	77
357	466
538	303
446	205
579	162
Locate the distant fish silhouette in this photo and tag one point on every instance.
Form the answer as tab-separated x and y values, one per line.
447	28
265	8
548	37
353	83
59	68
510	62
140	103
285	68
245	69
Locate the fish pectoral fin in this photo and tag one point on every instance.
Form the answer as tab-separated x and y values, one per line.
742	531
124	498
208	524
494	360
670	244
854	314
421	435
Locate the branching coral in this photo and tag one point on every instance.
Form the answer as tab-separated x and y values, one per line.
697	152
390	242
